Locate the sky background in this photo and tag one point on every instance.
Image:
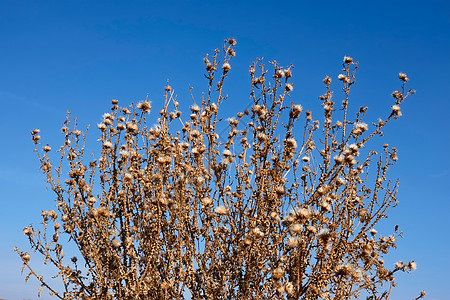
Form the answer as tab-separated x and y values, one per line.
78	55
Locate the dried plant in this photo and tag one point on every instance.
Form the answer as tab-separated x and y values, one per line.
268	212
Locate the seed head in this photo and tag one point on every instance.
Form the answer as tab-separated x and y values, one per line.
289	288
338	159
206	201
280	190
287	73
232	42
28	231
342	77
290	143
323	234
107	144
348	60
403	77
221	210
396	94
195	108
278	273
279	74
257	232
26	257
227	153
292	242
327	80
116	243
226	67
101	126
344	270
289	87
295	228
144	106
295	111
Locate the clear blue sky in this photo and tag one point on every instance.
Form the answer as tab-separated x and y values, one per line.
78	55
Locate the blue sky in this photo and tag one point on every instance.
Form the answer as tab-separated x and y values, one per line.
78	55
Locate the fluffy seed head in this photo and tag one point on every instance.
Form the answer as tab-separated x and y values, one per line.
289	288
395	108
402	76
116	243
221	210
232	42
295	228
206	201
327	80
342	77
295	111
28	231
323	234
226	67
348	60
144	106
289	87
290	143
227	153
278	273
292	242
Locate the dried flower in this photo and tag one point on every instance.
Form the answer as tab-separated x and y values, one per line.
403	77
323	234
289	288
342	77
107	144
28	231
290	143
232	42
295	111
296	228
144	106
26	257
116	243
221	210
101	126
278	273
327	80
289	87
348	60
292	242
226	67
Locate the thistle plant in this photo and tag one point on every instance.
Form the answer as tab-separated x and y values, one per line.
282	207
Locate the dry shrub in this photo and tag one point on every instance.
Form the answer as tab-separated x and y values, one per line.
265	213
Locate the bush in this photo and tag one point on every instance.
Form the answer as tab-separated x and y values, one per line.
267	212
